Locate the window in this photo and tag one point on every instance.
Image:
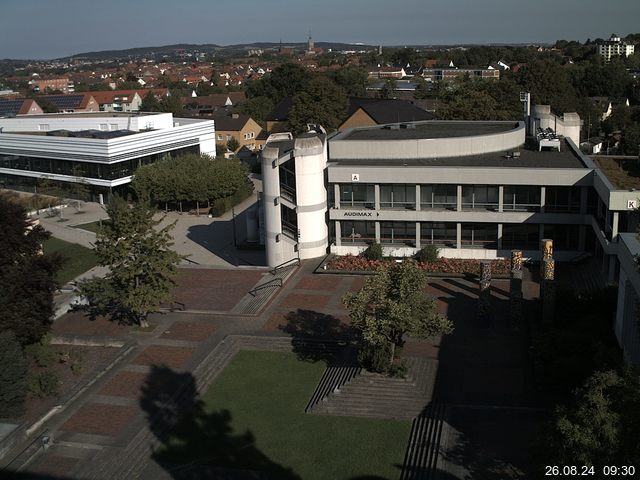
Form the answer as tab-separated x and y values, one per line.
441	234
438	197
522	198
357	232
483	197
104	127
398	233
289	222
114	126
43	127
565	237
562	199
357	195
228	137
522	236
480	235
287	173
220	137
398	196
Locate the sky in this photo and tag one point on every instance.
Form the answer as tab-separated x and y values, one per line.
44	29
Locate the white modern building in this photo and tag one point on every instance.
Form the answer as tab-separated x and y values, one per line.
614	47
101	149
473	189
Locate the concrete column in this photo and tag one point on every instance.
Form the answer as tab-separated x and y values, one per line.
338	230
543	198
418	235
459	199
614	226
458	236
541	231
377	232
501	199
336	194
376	196
584	192
499	236
623	291
418	200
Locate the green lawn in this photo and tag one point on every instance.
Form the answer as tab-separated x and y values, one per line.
92	227
253	418
78	259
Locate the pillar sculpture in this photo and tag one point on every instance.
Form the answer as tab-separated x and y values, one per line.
484	299
515	288
548	283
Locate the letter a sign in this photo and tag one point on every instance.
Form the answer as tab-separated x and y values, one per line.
355	177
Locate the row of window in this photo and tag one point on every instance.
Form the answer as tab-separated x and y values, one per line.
100	171
484	197
477	235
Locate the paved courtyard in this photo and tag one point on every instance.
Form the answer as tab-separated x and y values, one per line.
480	367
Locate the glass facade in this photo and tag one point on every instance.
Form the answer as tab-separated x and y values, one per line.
357	195
398	233
483	197
398	196
480	235
438	197
287	172
524	236
441	234
357	232
522	198
289	222
562	200
75	168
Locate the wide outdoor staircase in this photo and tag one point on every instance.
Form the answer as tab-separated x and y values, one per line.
372	395
421	457
259	296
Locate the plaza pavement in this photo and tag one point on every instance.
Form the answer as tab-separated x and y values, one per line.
480	367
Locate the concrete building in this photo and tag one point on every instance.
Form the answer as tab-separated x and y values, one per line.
473	189
241	127
101	150
614	47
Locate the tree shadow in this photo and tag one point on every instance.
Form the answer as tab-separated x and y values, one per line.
196	443
318	336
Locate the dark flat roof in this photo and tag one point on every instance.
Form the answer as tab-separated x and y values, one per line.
528	159
426	130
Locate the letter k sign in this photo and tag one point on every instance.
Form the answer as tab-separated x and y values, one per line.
355	177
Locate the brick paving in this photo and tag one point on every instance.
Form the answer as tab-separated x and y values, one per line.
173	357
53	466
214	289
100	419
188	331
476	362
78	323
125	384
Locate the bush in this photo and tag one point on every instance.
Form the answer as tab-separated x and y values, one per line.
41	352
428	254
375	358
43	384
222	205
373	252
13	387
398	369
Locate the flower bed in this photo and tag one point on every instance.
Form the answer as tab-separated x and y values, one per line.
443	265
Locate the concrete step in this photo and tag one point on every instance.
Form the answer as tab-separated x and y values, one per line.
422	455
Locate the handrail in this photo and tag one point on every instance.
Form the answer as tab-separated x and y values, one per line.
285	264
266	285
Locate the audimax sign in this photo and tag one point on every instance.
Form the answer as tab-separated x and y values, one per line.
360	214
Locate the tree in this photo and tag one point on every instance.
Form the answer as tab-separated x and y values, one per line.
233	144
389	89
353	80
172	104
601	427
150	103
257	108
391	304
27	278
13	375
142	265
321	102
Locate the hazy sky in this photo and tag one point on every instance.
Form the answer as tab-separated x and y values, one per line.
56	28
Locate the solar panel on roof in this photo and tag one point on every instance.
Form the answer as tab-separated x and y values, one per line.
67	101
10	107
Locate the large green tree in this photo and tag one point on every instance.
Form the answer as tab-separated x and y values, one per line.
142	265
392	304
601	427
13	375
27	278
321	102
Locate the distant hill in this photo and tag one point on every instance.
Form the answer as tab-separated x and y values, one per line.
209	48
